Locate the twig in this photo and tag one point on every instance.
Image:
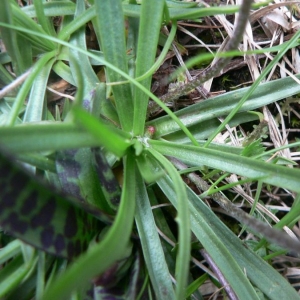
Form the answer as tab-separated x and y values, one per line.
233	44
14	84
272	235
231	294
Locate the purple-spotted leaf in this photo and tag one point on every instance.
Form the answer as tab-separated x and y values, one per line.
85	174
42	217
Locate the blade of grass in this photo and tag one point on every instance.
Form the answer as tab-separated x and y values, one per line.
110	30
5	77
210	56
214	235
163	53
19	101
201	130
146	50
74	25
43	20
274	236
10	250
64	71
36	102
113	140
183	221
222	105
86	70
254	86
10	39
41	275
151	244
252	168
292	216
162	223
111	66
51	9
21	19
180	4
46	137
132	10
214	246
13	274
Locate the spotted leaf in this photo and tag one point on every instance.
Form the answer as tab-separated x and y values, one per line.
39	215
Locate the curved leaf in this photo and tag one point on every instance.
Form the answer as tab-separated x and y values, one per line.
114	246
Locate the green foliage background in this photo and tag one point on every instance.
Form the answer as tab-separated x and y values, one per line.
119	238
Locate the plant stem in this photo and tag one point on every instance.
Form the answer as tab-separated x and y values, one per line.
214	70
228	289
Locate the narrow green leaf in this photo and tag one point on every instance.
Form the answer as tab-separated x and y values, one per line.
292	216
10	38
13	273
254	86
196	284
111	31
22	94
42	19
22	20
109	137
200	12
244	166
125	75
10	250
229	265
64	71
180	4
214	235
203	129
132	10
5	77
183	220
222	105
36	102
167	44
163	225
151	245
147	46
41	275
46	136
52	9
86	71
146	169
74	25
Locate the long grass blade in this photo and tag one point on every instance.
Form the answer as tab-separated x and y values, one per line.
252	168
151	244
183	221
147	46
111	33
